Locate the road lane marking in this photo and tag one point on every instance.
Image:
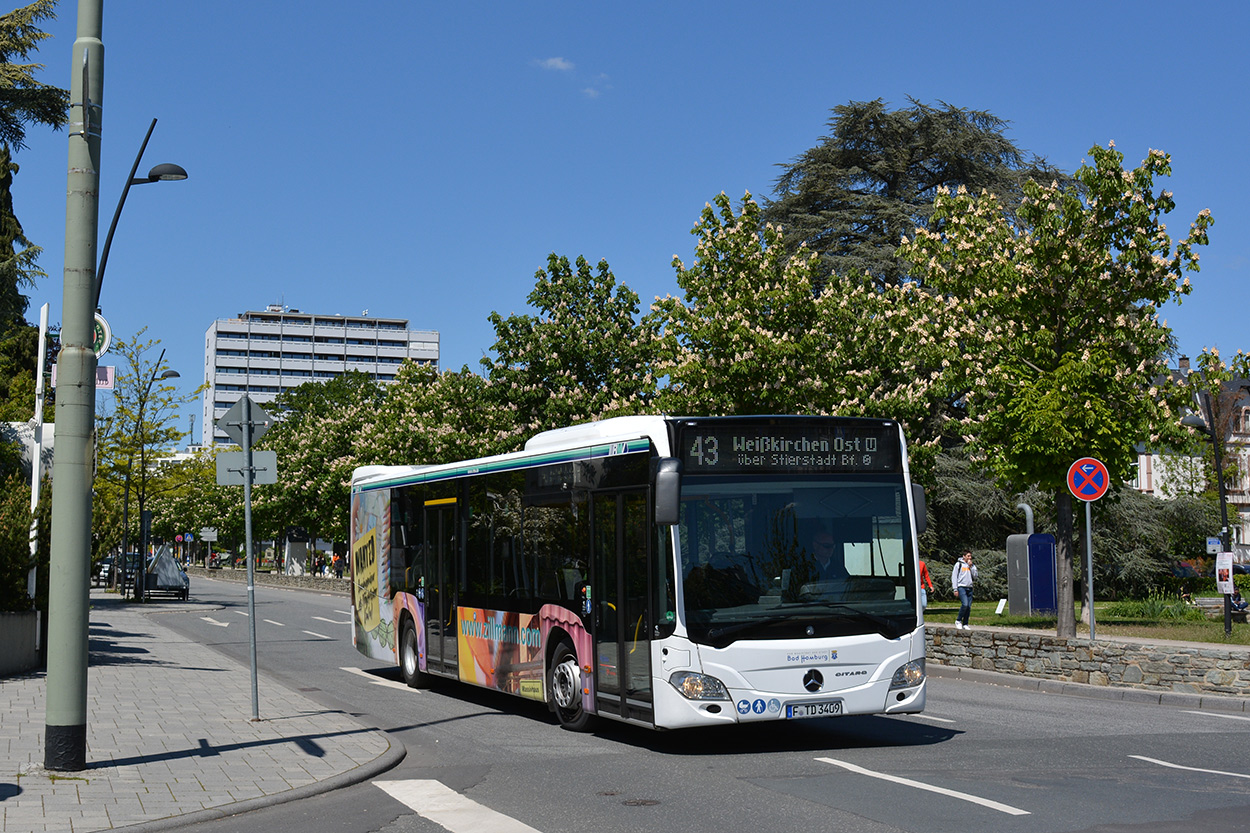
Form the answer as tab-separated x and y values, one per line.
360	672
444	806
210	620
907	782
344	612
332	621
272	622
1190	768
1217	714
929	717
318	635
241	612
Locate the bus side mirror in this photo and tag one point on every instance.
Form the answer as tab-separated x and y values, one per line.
667	490
917	499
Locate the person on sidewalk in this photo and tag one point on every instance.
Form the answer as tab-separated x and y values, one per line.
962	577
925	582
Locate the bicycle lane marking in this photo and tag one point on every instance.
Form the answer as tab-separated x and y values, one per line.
907	782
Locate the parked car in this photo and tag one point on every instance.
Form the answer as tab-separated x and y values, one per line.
103	571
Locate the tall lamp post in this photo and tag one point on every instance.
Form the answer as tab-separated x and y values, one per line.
65	711
1207	427
140	440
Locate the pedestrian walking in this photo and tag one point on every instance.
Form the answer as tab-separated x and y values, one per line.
925	582
962	577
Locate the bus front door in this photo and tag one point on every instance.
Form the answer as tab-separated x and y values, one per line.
622	619
440	570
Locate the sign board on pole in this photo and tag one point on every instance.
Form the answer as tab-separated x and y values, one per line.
1224	573
232	421
1088	479
230	468
209	534
101	336
1214	545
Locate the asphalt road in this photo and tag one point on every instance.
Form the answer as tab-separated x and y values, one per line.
981	758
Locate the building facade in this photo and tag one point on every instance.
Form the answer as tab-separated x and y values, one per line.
260	354
1166	474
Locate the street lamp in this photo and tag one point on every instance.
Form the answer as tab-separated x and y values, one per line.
141	442
165	172
1207	427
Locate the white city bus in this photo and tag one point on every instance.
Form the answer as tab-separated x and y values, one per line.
657	570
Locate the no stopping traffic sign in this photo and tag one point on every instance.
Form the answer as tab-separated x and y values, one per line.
1088	479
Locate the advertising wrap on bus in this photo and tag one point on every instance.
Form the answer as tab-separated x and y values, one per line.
662	571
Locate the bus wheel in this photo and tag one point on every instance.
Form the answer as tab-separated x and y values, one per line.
566	688
409	662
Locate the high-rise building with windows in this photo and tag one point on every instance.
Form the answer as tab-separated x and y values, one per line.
261	354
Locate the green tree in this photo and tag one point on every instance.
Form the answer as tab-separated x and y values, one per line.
1223	386
23	101
26	100
584	356
749	335
867	184
1065	297
136	431
319	432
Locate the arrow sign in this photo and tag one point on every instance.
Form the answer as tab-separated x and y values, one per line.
1088	479
213	621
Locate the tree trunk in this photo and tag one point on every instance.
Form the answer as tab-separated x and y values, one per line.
1066	626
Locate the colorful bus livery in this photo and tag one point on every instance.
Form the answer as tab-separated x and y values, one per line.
663	571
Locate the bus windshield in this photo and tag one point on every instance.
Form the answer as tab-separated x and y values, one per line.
798	556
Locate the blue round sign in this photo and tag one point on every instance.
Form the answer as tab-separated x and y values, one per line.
1088	479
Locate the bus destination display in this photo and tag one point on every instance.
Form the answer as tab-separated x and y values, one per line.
727	449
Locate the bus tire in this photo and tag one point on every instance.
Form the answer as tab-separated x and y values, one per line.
409	656
565	684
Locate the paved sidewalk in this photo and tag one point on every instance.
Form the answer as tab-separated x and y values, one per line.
170	740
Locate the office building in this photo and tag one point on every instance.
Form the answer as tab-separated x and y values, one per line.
261	354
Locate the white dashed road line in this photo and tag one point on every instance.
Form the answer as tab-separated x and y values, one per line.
443	805
1171	765
360	672
907	782
1217	714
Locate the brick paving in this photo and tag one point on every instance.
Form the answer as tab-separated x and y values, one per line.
175	744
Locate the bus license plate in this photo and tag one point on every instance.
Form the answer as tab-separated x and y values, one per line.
825	708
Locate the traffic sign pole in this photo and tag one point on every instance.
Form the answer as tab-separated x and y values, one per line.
1088	480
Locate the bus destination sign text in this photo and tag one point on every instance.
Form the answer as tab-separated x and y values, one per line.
864	447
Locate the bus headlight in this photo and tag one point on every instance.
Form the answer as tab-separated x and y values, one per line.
698	686
911	674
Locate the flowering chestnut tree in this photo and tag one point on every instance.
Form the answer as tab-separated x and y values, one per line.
750	335
1065	301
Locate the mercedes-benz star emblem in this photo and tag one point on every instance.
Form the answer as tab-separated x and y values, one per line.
813	680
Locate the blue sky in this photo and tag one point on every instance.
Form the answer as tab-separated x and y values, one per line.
421	160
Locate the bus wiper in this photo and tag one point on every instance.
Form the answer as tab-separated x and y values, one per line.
717	635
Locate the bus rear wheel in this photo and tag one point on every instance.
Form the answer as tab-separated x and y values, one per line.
409	656
565	683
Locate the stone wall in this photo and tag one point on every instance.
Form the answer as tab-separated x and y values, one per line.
306	582
1154	667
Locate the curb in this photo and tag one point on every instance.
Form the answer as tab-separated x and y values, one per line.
391	757
1209	702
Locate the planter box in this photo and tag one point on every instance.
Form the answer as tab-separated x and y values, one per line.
19	637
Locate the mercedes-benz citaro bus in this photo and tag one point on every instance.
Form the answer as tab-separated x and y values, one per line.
663	571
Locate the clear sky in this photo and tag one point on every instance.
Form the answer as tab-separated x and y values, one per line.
421	160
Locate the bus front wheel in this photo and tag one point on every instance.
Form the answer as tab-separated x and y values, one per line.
566	688
409	658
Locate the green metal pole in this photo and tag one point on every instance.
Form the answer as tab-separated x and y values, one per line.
65	737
